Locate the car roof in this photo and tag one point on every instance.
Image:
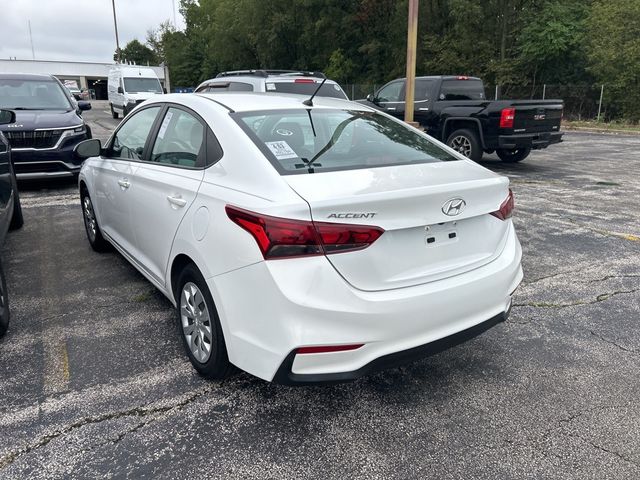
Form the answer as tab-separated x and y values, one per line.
25	76
248	101
257	80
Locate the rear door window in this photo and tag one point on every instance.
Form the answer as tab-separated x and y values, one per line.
423	89
180	140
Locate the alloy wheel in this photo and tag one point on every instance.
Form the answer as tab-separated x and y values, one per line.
89	218
461	144
196	322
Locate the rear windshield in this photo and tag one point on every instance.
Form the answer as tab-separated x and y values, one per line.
462	90
321	140
33	95
306	88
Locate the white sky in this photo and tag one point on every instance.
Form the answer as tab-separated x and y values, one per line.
77	30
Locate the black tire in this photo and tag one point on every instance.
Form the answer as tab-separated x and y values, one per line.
125	111
114	114
17	220
513	156
216	366
4	303
466	142
91	227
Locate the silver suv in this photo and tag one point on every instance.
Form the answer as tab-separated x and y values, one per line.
278	81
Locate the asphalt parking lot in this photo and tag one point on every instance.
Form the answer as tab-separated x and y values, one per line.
94	382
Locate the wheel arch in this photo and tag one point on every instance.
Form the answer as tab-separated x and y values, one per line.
452	124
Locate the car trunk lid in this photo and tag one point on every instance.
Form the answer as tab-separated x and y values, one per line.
420	243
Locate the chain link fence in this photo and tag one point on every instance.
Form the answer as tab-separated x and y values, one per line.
581	102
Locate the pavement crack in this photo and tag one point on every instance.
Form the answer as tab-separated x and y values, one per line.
611	342
143	411
600	298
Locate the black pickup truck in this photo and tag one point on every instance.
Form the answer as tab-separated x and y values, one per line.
454	109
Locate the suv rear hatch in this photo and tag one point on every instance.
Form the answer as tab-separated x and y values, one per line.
304	86
420	243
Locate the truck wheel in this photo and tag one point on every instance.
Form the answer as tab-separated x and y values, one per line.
114	114
513	156
466	142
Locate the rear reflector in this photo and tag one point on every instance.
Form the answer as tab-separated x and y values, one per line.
506	209
328	348
303	80
283	237
506	117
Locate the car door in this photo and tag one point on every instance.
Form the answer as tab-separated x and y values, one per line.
165	185
114	173
390	98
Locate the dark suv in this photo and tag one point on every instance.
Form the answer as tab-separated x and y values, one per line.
48	125
10	210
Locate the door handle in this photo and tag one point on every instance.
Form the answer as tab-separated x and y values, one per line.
391	108
177	200
124	183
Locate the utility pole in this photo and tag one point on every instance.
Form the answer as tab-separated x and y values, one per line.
33	52
412	46
115	25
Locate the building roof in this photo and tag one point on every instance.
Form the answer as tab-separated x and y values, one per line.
67	69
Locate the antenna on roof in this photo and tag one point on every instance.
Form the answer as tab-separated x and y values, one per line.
309	102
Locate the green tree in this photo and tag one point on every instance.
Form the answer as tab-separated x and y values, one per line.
614	53
552	43
137	53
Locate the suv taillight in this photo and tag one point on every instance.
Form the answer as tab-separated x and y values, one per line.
283	237
506	208
506	117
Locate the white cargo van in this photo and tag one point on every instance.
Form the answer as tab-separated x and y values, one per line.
129	85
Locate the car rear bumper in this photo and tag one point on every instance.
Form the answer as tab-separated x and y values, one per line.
531	140
270	309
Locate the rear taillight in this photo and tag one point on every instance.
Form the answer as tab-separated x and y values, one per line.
506	117
282	237
506	209
303	80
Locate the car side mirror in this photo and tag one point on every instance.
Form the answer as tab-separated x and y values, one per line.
120	90
372	98
84	105
7	116
164	89
88	148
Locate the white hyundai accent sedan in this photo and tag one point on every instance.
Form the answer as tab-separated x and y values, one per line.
302	243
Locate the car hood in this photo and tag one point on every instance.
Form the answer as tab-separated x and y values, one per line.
34	119
142	95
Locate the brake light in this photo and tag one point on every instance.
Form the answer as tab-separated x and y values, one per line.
463	77
506	117
303	80
282	237
329	348
506	208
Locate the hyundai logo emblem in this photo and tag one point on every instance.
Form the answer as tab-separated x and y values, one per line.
453	207
284	132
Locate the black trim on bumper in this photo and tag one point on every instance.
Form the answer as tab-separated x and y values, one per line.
532	140
285	376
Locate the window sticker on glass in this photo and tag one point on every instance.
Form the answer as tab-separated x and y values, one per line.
165	124
281	150
271	86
